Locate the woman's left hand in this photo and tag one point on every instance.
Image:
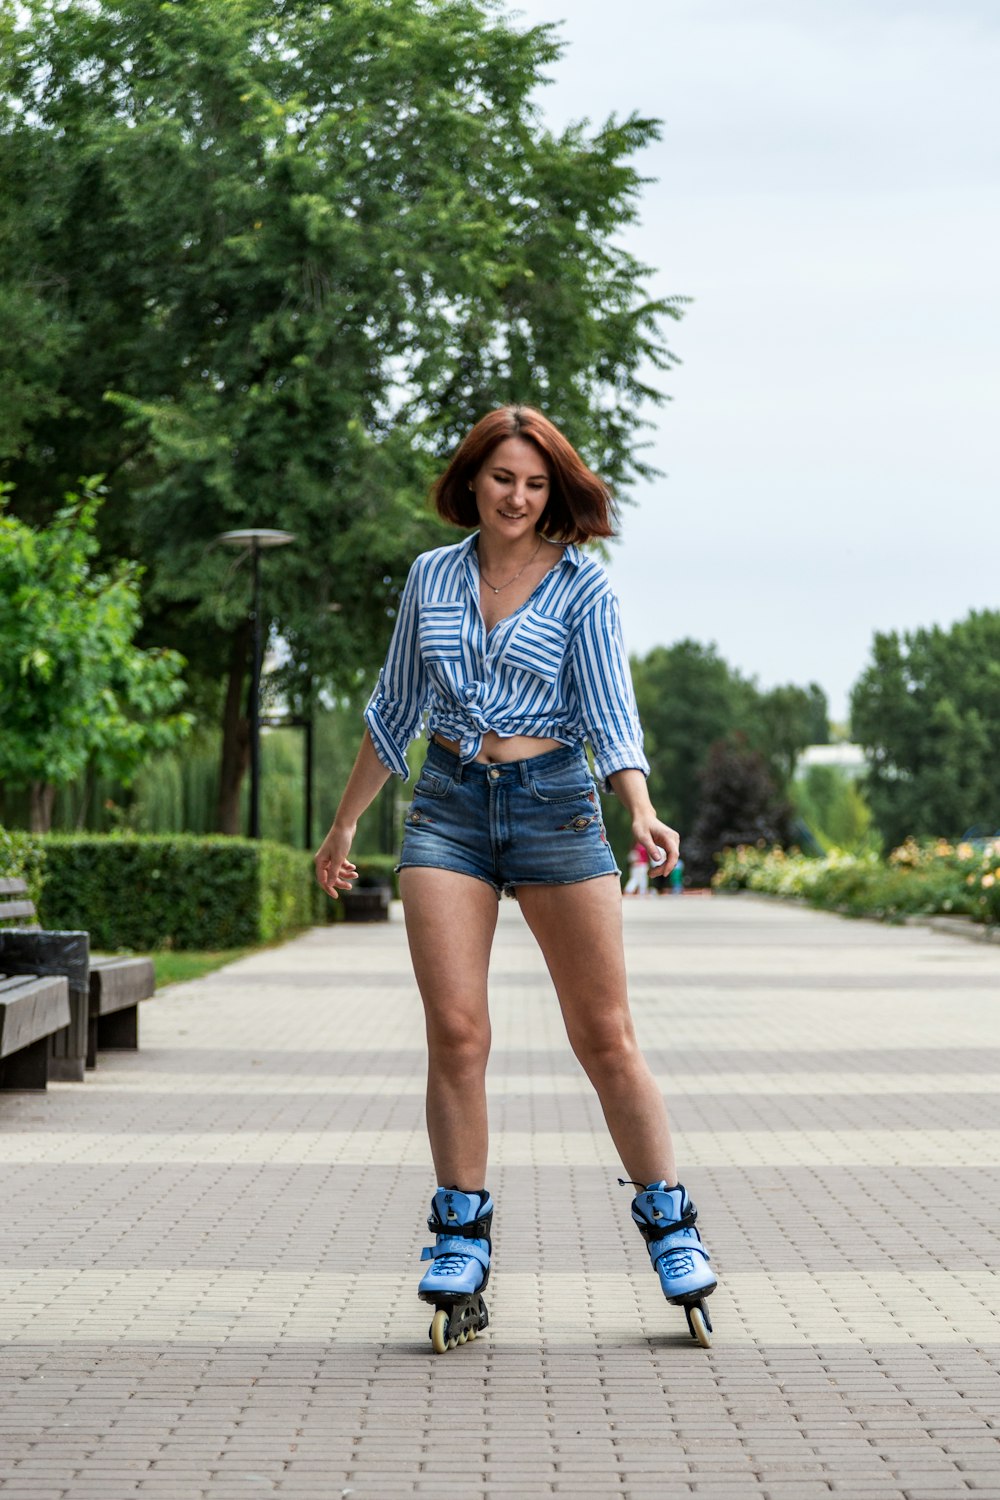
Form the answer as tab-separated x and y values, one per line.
662	844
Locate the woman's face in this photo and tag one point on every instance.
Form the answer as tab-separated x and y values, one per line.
512	489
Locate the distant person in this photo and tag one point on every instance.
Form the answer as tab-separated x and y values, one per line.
677	879
638	871
510	643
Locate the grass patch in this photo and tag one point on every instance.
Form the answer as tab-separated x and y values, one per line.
176	967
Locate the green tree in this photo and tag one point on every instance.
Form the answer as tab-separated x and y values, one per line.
784	721
282	255
739	804
927	711
74	689
689	697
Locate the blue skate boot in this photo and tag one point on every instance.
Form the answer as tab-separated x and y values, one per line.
460	1266
666	1219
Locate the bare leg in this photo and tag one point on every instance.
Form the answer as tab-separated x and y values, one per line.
579	930
450	921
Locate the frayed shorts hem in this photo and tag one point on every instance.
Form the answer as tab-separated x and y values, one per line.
423	864
511	887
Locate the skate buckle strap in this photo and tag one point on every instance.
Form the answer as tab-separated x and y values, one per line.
654	1224
675	1255
654	1232
448	1244
479	1229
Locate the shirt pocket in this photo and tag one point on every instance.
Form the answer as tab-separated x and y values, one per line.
537	645
440	631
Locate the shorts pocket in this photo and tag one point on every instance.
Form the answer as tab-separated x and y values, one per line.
563	784
433	783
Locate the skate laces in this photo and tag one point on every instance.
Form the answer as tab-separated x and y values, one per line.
450	1264
677	1263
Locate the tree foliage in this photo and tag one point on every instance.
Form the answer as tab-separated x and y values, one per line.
927	711
266	260
689	697
784	720
739	804
74	688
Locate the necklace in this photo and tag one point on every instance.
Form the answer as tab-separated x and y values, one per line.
499	587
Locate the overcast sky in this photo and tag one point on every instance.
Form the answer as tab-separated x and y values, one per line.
827	192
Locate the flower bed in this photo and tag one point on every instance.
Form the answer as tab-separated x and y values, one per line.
917	879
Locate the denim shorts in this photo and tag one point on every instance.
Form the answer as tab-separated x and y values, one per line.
521	822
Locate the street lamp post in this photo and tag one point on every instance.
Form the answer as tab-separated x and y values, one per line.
253	540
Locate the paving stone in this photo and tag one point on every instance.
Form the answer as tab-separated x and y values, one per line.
218	1316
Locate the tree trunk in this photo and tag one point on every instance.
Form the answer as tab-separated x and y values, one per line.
43	795
86	791
235	737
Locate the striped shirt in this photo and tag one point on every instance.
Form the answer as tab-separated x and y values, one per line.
556	668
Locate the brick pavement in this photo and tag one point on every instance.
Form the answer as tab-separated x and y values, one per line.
210	1248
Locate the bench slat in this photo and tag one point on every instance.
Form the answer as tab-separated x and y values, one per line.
119	982
31	1009
11	909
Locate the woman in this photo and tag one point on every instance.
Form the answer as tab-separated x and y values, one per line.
510	644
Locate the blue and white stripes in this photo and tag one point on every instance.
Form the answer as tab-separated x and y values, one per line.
556	668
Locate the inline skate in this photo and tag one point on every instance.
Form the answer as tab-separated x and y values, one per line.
460	1266
666	1219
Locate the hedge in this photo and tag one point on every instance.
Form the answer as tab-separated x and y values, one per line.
152	892
21	854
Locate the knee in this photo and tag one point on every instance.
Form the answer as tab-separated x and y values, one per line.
461	1042
605	1048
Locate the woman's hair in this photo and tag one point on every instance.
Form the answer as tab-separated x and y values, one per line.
580	505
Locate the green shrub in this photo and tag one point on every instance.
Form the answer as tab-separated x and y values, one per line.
22	855
151	892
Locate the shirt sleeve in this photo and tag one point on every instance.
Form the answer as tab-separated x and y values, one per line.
604	684
395	709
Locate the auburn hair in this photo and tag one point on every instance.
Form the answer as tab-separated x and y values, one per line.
580	505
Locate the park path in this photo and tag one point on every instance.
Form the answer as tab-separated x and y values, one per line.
209	1249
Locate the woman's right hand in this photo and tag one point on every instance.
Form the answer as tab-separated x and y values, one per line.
334	871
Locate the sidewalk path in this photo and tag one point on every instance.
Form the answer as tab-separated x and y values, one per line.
209	1250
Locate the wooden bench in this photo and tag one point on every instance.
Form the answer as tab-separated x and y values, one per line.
105	992
367	903
32	1011
116	987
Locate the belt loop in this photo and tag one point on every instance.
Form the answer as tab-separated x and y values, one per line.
459	770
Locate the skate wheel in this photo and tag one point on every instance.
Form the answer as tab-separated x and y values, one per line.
439	1332
699	1325
472	1333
